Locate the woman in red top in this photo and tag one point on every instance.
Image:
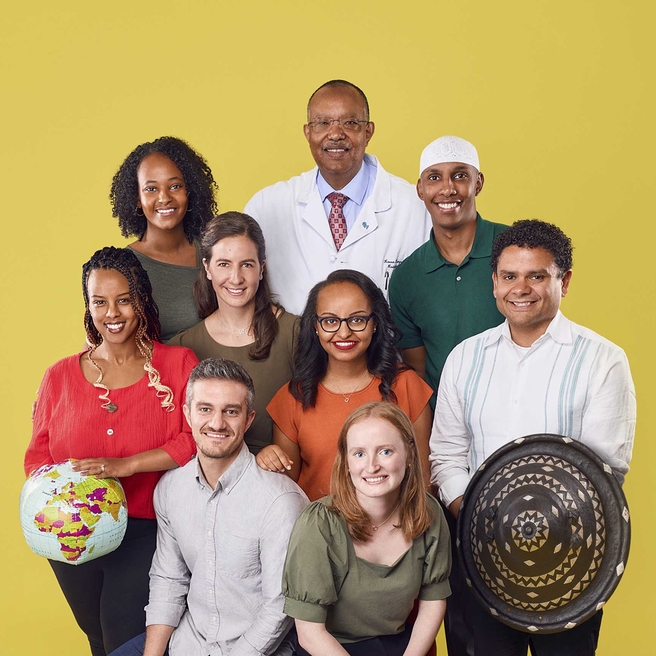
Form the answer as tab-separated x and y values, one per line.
345	357
97	407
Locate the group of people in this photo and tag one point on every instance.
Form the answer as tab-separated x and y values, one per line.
304	417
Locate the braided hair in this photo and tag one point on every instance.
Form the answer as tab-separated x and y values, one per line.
201	187
126	263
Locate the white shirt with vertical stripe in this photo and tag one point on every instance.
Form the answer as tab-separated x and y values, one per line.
570	382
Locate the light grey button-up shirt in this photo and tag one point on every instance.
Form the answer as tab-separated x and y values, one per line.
217	571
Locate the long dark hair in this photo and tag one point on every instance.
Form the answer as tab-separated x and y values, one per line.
265	324
126	263
198	178
310	359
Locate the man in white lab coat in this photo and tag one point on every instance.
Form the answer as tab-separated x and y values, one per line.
346	213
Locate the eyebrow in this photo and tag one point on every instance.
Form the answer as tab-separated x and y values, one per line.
529	273
175	177
101	296
332	314
227	259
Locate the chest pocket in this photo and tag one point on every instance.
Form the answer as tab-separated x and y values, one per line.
238	557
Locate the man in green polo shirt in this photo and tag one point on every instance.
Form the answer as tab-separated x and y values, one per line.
441	295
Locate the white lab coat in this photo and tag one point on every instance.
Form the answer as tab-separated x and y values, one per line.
392	223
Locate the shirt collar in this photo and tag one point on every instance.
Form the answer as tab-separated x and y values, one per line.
232	475
355	190
482	246
559	330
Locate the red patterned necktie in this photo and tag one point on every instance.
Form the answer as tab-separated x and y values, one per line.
336	219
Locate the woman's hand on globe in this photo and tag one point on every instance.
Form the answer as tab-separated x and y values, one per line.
105	467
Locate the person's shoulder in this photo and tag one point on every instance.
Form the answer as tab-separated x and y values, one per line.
412	263
171	354
178	477
317	517
287	320
189	336
594	337
65	365
497	228
271	485
282	187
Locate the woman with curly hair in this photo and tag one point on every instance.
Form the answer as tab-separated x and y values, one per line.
163	194
358	559
345	357
98	407
240	322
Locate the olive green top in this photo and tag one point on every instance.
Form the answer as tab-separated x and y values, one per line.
324	581
268	375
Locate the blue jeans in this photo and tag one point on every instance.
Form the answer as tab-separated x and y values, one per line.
134	647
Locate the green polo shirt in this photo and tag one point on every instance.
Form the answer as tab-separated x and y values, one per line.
437	304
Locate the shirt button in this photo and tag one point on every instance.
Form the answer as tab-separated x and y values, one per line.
515	402
459	278
209	532
333	258
110	431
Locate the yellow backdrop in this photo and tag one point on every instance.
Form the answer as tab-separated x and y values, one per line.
557	96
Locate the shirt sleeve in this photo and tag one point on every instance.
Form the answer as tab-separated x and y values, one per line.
38	451
169	575
271	625
450	441
437	563
410	332
182	447
609	420
413	393
284	410
316	558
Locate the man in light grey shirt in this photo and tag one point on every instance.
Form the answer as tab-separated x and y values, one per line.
223	529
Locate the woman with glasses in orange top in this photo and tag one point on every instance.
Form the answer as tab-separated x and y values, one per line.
345	357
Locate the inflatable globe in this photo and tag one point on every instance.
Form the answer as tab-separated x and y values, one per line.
70	517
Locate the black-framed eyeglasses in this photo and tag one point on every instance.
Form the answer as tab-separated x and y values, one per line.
356	323
347	124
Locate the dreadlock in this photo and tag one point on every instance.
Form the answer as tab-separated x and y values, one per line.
126	263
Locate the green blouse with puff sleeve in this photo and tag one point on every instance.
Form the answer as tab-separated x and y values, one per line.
325	582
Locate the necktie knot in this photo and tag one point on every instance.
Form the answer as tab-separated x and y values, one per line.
337	200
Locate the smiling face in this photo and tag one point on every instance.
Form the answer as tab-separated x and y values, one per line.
449	192
235	271
377	458
528	288
219	417
338	153
162	192
110	306
342	300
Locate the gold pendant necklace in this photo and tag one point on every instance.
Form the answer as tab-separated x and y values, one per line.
377	526
347	397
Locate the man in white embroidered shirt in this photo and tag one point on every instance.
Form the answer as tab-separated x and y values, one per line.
223	528
537	372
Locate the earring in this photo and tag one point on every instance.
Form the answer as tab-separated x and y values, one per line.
209	277
316	333
137	209
374	328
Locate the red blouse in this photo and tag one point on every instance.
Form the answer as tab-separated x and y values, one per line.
69	421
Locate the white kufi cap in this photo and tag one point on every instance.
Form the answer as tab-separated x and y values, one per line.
448	149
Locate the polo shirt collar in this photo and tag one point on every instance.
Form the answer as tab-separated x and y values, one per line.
232	476
559	330
482	246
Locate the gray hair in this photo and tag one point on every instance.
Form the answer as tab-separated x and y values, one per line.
221	369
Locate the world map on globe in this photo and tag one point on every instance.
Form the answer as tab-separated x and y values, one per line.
70	517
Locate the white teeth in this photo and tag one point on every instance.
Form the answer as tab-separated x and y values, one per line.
115	326
376	479
166	211
521	304
344	343
447	206
336	150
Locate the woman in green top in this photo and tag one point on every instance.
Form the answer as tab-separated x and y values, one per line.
240	322
163	194
358	560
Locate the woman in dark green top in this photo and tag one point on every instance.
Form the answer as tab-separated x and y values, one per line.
358	560
163	194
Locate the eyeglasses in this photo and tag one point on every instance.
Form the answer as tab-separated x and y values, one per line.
347	124
356	323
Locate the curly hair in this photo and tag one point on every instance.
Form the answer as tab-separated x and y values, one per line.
415	516
125	262
201	187
531	233
311	360
265	324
